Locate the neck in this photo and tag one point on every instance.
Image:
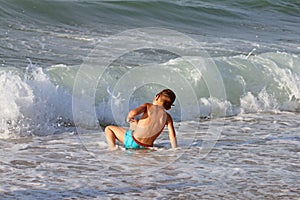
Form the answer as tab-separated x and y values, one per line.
157	103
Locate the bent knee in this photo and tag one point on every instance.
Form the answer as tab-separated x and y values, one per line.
108	128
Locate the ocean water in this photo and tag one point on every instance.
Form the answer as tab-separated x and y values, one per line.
68	68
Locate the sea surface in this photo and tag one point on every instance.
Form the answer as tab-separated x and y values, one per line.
68	68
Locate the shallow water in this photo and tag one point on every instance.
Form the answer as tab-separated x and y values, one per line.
255	157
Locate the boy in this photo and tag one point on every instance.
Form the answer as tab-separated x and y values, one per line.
143	132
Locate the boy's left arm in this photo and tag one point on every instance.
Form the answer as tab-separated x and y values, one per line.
172	134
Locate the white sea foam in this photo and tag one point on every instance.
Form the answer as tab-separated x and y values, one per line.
31	105
39	102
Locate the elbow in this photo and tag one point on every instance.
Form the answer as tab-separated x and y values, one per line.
132	113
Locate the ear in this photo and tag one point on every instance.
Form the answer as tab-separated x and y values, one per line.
157	97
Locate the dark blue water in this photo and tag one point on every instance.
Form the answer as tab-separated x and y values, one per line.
50	32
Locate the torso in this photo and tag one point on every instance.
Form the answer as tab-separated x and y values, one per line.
151	124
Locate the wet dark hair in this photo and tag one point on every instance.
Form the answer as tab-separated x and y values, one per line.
168	98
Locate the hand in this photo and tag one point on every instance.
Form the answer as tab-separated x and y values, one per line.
132	120
129	120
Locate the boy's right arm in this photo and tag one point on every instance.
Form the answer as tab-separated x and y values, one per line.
135	112
171	130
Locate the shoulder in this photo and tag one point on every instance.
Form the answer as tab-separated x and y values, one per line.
169	118
148	105
145	105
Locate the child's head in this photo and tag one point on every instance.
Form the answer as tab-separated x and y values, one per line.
168	97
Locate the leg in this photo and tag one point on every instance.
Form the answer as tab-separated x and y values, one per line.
112	133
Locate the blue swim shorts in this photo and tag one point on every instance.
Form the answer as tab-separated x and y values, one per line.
129	143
